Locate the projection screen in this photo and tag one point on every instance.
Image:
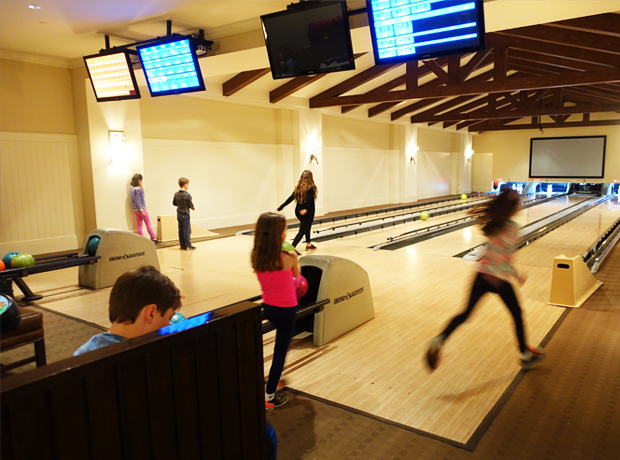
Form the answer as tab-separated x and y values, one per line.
568	157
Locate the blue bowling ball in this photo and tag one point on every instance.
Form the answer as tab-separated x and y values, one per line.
93	244
177	318
7	259
10	314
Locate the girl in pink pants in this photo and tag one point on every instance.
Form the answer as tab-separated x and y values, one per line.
139	206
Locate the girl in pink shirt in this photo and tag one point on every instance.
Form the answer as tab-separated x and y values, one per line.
495	274
275	270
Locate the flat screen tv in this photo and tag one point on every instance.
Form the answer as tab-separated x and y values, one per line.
408	30
171	66
111	74
568	157
309	38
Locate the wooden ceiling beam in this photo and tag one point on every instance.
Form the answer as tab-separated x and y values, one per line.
584	97
477	103
574	38
292	86
567	124
555	61
402	80
471	87
552	49
466	124
445	106
241	80
377	109
434	83
534	111
356	80
434	67
606	23
478	60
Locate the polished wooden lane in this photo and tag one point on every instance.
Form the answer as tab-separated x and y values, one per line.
378	368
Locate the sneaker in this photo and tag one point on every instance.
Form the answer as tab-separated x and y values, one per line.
190	248
311	247
156	241
278	400
432	355
538	355
281	385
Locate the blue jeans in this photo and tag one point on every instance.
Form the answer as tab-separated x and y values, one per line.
185	230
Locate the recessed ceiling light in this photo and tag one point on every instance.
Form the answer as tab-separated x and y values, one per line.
34	7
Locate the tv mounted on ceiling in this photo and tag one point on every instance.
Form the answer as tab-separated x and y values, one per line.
111	74
408	30
309	38
171	66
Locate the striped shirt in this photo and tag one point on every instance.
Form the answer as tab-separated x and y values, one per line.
497	259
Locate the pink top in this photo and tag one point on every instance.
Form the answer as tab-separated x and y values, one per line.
278	288
497	259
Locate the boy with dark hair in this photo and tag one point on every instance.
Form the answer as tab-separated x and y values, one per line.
183	201
141	301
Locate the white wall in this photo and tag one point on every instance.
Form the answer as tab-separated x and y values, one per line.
355	178
482	172
230	183
36	192
434	173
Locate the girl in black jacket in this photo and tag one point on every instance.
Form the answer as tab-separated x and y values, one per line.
304	194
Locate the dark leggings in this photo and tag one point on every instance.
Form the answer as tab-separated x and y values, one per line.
283	318
305	224
504	289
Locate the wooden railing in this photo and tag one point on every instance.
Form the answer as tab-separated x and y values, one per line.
191	391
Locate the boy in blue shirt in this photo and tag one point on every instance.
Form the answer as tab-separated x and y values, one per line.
141	301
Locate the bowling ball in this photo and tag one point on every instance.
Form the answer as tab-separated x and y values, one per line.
10	315
22	261
2	266
7	258
463	197
301	286
286	246
424	215
93	244
177	318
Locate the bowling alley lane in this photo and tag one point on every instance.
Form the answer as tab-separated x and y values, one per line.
460	240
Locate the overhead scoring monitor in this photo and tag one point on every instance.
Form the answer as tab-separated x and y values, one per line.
112	76
405	30
171	66
309	38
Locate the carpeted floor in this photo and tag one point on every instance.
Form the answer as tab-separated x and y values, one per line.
568	409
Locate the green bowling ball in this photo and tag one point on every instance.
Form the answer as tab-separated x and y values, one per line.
286	246
22	261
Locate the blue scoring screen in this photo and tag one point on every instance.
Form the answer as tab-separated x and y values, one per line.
414	29
171	67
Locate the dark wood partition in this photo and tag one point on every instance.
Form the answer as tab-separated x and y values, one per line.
189	391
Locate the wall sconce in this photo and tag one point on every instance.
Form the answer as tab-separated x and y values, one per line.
413	158
117	146
314	150
469	153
